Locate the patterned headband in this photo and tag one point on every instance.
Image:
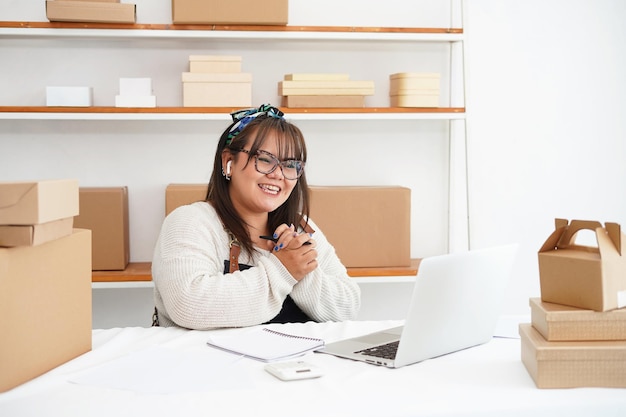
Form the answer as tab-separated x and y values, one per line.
245	116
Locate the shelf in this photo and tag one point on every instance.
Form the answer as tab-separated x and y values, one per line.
108	30
141	272
222	113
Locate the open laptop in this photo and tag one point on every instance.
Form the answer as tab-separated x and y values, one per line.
455	305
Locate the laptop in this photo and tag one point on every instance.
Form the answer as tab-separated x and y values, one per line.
455	305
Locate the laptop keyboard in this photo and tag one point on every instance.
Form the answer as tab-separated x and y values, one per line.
386	351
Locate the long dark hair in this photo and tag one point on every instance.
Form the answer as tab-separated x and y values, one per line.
290	145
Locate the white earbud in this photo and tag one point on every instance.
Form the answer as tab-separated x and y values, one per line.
228	167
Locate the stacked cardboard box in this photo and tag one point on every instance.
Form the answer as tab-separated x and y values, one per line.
103	11
104	211
323	90
135	92
414	89
45	284
577	334
216	81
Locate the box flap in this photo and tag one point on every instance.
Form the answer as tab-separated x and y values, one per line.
14	192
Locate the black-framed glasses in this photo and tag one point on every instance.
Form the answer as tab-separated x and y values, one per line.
266	163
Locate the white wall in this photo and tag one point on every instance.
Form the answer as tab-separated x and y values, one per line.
545	119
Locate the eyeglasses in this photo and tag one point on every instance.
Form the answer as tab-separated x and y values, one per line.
266	163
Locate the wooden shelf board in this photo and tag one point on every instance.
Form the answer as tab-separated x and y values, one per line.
222	110
141	271
231	28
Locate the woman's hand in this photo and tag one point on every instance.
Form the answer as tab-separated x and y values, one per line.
295	251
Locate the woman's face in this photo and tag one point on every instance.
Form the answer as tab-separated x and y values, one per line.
253	192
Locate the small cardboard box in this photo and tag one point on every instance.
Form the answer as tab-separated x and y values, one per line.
90	11
181	194
69	96
572	364
104	211
368	226
135	101
558	322
230	12
215	64
36	234
35	202
46	317
582	276
217	90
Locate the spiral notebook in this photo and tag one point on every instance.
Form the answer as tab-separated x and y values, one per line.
266	345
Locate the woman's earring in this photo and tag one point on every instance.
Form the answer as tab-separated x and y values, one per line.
227	173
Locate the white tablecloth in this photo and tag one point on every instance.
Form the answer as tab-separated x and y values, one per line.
182	376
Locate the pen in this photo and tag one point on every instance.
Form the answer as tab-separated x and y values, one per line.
275	240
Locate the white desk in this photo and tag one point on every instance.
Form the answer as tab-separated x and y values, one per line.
487	380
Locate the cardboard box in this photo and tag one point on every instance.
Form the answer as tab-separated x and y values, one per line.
230	12
572	364
215	63
325	88
35	202
104	211
558	322
323	101
45	305
94	11
217	90
368	226
582	276
135	87
36	234
177	195
69	96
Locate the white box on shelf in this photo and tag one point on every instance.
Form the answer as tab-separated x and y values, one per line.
135	86
69	96
135	101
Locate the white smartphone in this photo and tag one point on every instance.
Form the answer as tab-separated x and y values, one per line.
290	371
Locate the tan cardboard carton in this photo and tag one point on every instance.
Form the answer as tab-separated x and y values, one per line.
35	202
368	226
413	81
90	11
572	364
36	234
582	276
181	194
323	101
104	211
215	63
421	99
557	322
230	12
46	317
217	89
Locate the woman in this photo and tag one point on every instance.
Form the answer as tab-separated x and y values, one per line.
214	263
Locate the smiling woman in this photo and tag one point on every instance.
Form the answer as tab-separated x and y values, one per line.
213	265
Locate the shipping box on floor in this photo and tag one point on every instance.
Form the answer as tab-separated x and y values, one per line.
573	364
35	202
86	11
45	305
217	89
35	234
104	211
230	12
582	276
557	322
368	226
181	194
